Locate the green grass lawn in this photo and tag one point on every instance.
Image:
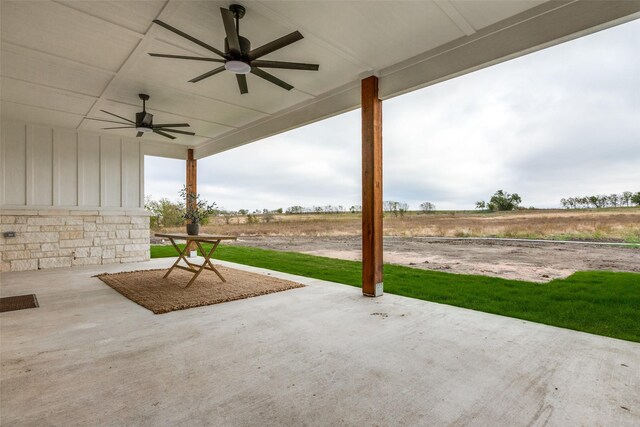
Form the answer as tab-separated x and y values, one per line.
598	302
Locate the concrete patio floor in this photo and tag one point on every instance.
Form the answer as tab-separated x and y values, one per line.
319	355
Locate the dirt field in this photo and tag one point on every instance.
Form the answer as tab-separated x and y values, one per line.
532	261
612	225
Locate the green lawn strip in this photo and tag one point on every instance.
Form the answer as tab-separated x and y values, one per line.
598	302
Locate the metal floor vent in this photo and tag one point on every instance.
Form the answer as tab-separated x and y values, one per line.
19	302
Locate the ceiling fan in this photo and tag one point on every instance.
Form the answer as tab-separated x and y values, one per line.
144	122
238	56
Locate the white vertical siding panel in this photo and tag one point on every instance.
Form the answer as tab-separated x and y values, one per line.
65	167
123	174
111	171
28	140
89	169
141	175
14	164
40	156
44	166
131	173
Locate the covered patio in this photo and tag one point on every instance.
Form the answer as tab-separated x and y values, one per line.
72	199
318	355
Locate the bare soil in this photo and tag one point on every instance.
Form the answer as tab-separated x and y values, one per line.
520	260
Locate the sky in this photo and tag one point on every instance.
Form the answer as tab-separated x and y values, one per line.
560	122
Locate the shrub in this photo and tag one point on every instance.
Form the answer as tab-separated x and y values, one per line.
501	201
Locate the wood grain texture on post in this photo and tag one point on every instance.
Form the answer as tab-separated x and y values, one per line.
192	186
371	188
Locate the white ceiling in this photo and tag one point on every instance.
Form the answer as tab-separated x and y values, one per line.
62	61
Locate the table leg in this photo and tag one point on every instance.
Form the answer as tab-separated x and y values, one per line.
207	258
202	267
181	255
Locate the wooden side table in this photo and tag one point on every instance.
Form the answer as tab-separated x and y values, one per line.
196	269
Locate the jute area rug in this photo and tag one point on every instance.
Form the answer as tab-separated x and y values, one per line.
148	289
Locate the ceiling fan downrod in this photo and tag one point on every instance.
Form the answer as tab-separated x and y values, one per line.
238	11
144	98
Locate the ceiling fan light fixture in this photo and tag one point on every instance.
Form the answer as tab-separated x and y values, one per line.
237	67
144	129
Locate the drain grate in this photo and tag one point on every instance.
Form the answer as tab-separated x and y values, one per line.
19	302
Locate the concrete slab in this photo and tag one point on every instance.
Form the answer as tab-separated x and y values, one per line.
319	355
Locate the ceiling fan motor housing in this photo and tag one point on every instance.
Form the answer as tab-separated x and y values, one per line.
245	47
140	119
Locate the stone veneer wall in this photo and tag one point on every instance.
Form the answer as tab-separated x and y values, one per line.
63	238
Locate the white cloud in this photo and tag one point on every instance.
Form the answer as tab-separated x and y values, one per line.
561	122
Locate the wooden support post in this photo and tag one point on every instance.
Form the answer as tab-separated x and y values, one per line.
371	188
192	187
192	172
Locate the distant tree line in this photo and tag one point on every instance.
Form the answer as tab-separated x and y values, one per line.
626	198
168	214
392	207
294	210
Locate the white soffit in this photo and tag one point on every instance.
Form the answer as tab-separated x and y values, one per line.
63	60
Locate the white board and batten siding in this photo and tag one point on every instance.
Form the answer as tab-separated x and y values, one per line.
46	167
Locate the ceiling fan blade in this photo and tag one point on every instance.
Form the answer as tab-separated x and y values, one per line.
120	117
122	127
166	135
139	134
207	74
178	131
285	65
242	83
108	121
194	58
147	119
230	30
271	78
275	45
188	37
172	125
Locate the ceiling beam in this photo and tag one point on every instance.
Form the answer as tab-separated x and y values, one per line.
342	52
540	27
164	149
35	52
449	9
80	13
59	89
43	108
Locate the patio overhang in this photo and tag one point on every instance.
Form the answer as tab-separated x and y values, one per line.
63	61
